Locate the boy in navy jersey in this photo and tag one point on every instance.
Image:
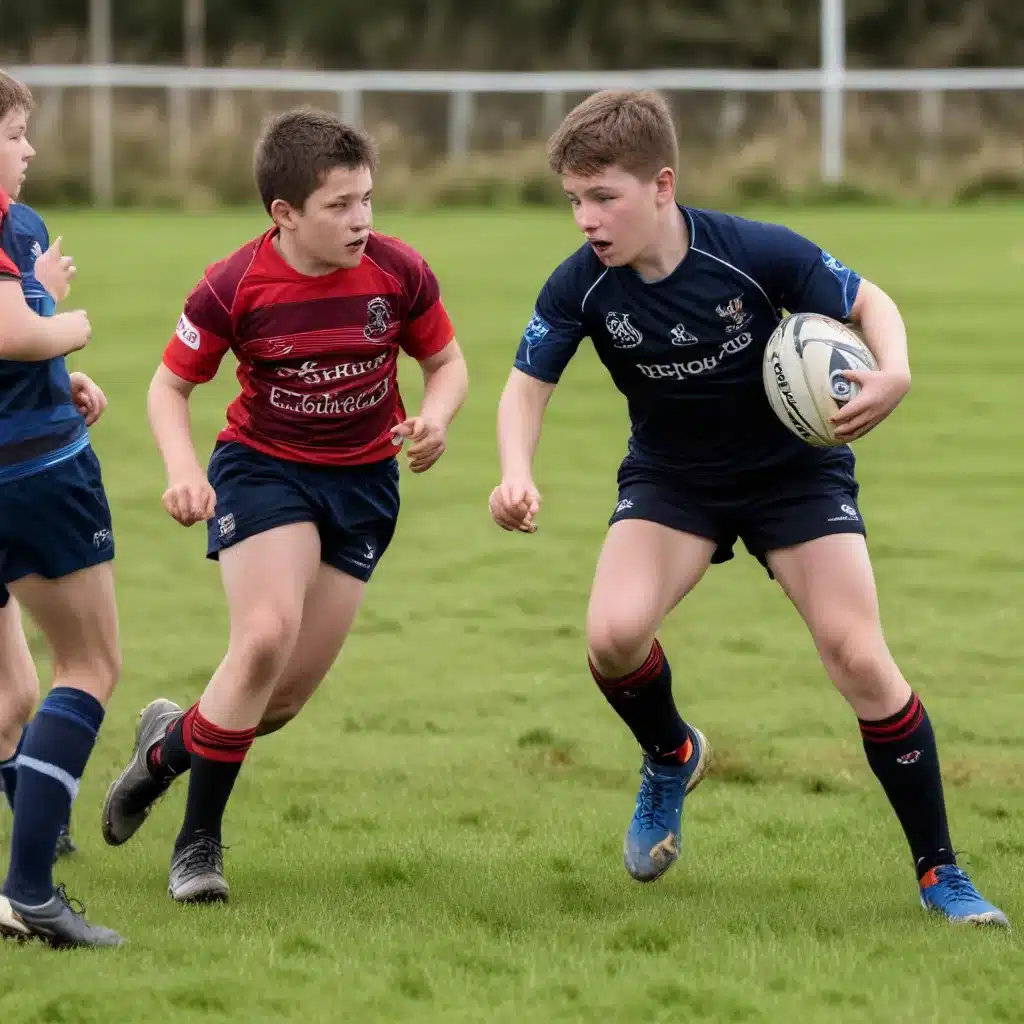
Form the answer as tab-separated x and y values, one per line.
679	304
56	547
301	494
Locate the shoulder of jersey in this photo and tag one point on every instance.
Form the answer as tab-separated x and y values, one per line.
27	220
716	221
225	275
392	253
392	243
725	235
579	270
397	259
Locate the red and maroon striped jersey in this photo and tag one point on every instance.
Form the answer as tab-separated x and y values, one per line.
317	356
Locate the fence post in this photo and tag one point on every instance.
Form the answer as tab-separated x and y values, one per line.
734	110
101	107
350	106
553	110
833	66
180	137
929	114
180	99
460	124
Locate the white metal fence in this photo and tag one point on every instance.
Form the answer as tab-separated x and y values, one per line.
831	81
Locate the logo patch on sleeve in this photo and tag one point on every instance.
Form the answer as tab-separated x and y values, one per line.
536	329
187	333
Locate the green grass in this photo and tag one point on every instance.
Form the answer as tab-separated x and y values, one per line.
438	837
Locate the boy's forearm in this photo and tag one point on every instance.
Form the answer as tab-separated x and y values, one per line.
170	423
444	391
520	418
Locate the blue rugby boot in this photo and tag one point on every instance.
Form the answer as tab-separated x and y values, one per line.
654	835
948	891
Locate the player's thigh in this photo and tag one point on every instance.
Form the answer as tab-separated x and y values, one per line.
19	682
77	615
330	608
61	548
266	576
264	534
645	568
831	583
17	667
662	537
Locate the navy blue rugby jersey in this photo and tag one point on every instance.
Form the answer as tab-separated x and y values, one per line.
686	351
39	424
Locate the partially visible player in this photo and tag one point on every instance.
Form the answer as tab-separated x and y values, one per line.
56	547
42	267
679	304
301	495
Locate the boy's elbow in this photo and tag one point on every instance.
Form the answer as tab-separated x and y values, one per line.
166	380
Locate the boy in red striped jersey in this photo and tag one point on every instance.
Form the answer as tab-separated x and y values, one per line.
301	493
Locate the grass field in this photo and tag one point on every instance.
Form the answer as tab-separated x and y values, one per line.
438	837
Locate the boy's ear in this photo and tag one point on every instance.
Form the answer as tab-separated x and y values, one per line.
283	214
665	183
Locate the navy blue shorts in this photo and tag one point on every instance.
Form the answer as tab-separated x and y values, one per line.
774	510
55	522
355	508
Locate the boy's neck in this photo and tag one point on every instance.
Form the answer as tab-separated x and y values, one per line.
668	250
297	259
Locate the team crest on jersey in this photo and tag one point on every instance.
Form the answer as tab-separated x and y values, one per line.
623	333
681	336
36	249
732	313
378	318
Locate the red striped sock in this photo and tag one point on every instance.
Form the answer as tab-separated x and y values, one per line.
208	740
897	727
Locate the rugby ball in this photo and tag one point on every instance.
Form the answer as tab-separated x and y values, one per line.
803	374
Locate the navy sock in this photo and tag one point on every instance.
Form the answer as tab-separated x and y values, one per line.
9	773
643	700
53	756
902	754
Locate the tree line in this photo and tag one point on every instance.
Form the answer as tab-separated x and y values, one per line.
531	35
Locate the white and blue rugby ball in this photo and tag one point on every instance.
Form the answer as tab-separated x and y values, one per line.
803	374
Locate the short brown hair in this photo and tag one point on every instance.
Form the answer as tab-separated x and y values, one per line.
299	148
14	95
627	128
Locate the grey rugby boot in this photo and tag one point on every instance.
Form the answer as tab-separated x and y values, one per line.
56	922
197	873
132	795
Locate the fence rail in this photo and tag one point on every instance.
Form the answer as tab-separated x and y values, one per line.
833	81
153	76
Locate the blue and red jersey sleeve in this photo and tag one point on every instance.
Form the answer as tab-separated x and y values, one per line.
8	268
